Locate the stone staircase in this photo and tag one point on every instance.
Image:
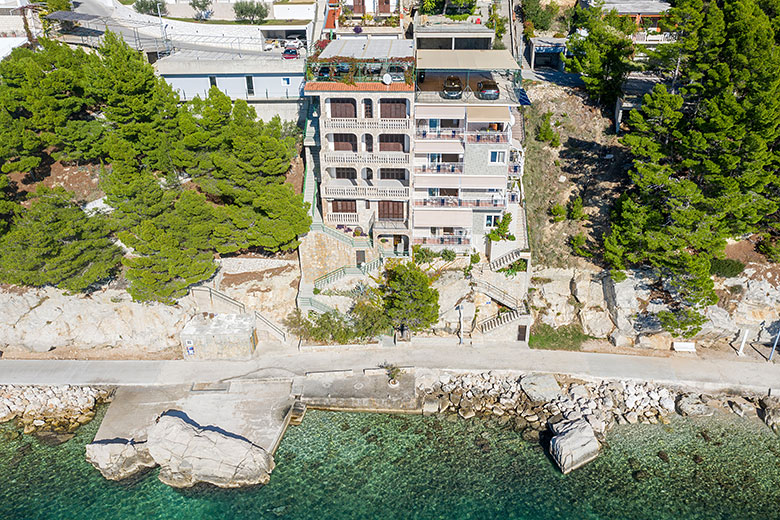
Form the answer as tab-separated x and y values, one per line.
499	320
216	301
497	294
507	259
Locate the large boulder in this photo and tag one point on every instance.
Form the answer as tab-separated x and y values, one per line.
189	453
540	388
117	459
553	295
692	405
596	322
770	409
573	445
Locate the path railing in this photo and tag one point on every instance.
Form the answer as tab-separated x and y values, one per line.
497	294
239	308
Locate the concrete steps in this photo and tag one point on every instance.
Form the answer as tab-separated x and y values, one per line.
499	321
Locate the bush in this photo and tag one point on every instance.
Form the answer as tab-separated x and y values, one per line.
518	266
617	275
559	35
577	243
528	29
501	231
558	213
566	337
475	258
545	132
726	268
150	7
448	255
250	11
575	210
201	8
540	17
422	255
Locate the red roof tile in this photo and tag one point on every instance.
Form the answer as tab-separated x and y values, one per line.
333	14
337	86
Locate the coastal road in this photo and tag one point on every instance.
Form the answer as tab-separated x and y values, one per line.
682	369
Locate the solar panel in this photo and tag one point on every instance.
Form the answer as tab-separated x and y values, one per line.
522	97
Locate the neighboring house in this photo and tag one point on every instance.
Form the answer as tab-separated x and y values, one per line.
437	32
646	15
634	89
546	52
405	159
269	83
363	20
12	19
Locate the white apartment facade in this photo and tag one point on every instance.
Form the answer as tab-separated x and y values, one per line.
405	163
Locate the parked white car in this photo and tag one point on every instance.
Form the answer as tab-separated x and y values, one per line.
294	41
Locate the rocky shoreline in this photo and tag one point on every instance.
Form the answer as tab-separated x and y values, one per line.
572	417
52	413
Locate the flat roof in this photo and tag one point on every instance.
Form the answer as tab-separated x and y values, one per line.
367	49
438	59
9	44
634	6
457	28
548	42
203	62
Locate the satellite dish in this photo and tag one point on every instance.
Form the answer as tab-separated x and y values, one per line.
387	79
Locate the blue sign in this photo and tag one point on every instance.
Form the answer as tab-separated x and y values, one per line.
190	350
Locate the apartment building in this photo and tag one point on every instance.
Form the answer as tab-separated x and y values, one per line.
417	148
363	94
463	147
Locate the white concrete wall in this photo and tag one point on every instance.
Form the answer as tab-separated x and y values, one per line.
266	86
293	11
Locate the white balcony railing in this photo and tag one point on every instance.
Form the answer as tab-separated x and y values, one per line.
342	218
365	192
366	124
439	133
439	168
363	158
455	202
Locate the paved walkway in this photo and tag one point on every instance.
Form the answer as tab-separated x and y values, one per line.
709	375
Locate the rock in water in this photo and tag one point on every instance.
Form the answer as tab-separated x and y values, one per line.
540	387
188	453
117	459
574	444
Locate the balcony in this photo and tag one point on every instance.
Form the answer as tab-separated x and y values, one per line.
455	202
366	124
365	192
342	218
433	168
439	133
652	38
391	225
431	90
367	158
487	137
442	241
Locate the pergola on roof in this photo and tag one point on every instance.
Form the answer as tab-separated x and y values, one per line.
439	59
368	49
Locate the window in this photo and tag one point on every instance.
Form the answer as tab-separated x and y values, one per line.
392	108
491	221
498	157
391	142
391	210
369	175
345	142
250	86
392	173
369	143
213	81
344	206
448	192
346	173
368	109
343	108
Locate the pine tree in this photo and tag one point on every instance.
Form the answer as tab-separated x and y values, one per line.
409	300
55	243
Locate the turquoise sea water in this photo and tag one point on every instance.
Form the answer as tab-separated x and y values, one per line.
370	466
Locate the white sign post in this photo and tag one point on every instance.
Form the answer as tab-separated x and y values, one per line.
742	345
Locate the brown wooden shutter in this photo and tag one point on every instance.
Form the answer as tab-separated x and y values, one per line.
392	173
391	143
358	6
344	206
391	210
346	173
392	108
343	108
345	142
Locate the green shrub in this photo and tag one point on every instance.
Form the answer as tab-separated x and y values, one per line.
566	337
577	243
618	275
475	258
518	266
422	255
558	213
317	290
545	132
501	231
540	17
726	268
448	255
575	210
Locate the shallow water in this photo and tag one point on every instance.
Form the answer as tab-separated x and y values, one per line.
339	465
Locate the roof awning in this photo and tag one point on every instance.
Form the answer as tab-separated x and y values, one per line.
427	218
459	181
438	147
441	59
487	114
439	112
